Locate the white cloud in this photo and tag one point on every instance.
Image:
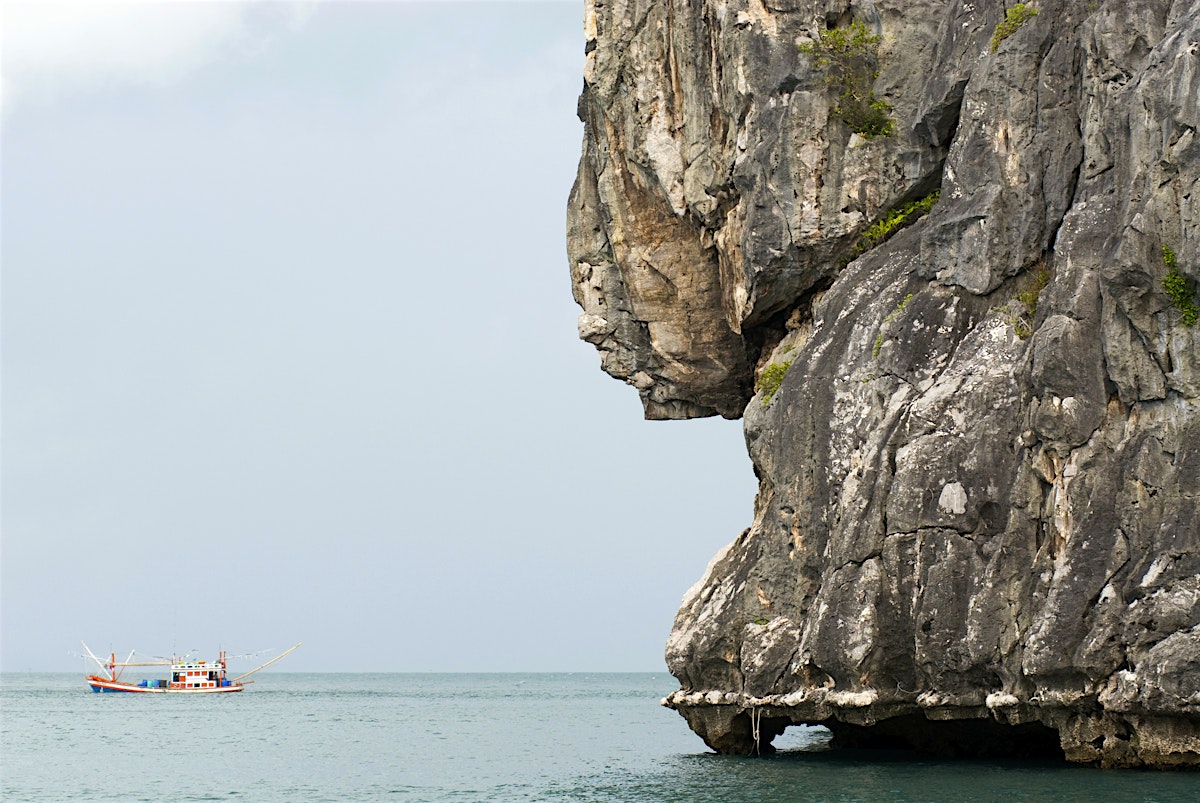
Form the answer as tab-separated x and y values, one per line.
56	48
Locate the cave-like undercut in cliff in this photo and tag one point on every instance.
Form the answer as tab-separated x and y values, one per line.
752	733
941	258
952	738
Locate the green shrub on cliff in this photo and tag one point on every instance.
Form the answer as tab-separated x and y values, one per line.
1029	296
895	220
1014	18
1179	289
771	378
849	59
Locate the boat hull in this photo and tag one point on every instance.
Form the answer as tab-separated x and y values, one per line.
99	684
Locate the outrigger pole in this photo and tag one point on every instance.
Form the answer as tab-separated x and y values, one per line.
112	663
268	663
93	657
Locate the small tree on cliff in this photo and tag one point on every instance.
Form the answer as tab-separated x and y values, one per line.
849	59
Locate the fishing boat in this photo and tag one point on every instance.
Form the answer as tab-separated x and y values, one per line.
187	676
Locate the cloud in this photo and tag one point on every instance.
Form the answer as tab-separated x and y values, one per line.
51	49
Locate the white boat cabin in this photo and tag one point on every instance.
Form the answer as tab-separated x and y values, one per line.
198	675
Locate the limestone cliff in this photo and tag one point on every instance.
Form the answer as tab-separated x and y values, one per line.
977	431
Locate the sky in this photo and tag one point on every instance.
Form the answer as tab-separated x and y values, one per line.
289	351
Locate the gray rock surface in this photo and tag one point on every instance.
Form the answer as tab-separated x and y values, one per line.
978	519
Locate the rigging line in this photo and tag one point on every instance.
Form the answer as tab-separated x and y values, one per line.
268	663
97	660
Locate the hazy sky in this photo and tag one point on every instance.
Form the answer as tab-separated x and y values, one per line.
289	349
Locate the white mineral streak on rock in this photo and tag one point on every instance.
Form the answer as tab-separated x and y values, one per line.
852	699
932	699
759	15
663	150
706	600
1156	569
593	328
743	88
795	698
953	499
589	35
1062	498
690	596
862	631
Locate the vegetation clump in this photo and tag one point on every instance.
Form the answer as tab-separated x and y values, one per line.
849	58
1029	299
1179	289
878	347
898	218
1014	18
770	379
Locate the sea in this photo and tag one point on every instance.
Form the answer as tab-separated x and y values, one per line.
467	737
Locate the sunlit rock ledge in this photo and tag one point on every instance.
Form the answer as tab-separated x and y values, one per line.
961	339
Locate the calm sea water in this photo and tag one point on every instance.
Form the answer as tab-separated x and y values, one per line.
425	737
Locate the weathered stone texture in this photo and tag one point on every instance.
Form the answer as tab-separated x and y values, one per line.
970	509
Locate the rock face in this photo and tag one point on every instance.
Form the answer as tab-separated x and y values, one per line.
978	519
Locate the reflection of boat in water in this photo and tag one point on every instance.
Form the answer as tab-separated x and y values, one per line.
187	676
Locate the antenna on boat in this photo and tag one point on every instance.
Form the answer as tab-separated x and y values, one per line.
268	663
